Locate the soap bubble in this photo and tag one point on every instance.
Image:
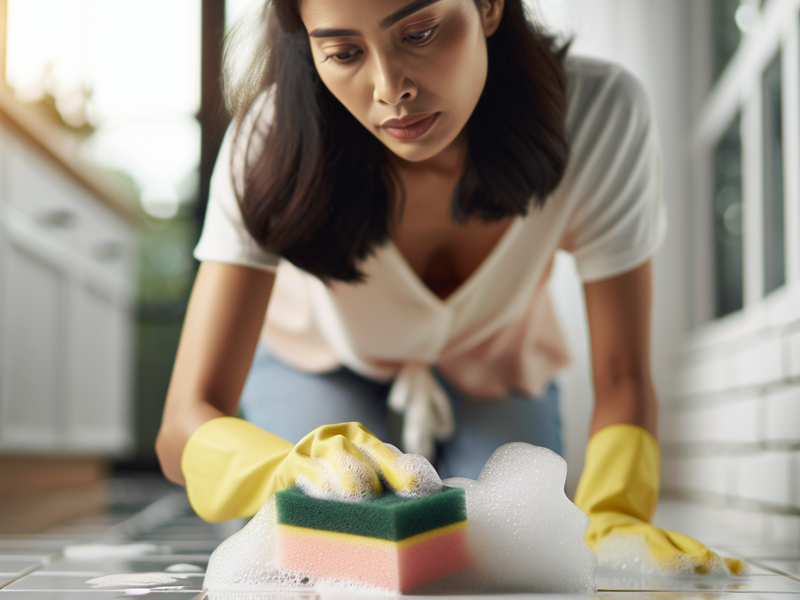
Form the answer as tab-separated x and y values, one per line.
524	535
625	555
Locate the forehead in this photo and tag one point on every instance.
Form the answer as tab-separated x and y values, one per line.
340	12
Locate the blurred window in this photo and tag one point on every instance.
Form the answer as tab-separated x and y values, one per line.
126	75
728	222
774	269
726	33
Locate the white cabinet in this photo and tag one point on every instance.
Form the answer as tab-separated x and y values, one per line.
66	311
98	374
31	351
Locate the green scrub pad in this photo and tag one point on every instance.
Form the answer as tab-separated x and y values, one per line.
386	517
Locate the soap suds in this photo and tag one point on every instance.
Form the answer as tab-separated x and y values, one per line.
417	468
524	535
628	554
184	568
523	531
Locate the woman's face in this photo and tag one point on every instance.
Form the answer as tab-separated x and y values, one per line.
411	71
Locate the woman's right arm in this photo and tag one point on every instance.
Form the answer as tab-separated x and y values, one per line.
220	333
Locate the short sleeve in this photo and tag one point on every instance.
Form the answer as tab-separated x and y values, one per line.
224	237
614	175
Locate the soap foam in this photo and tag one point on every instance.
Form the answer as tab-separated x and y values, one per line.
416	467
362	477
625	553
523	531
524	534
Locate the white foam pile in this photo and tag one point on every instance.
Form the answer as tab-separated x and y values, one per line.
524	535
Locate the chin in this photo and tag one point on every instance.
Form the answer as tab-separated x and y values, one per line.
413	155
418	152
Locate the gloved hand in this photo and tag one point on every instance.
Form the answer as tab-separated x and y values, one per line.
619	491
231	467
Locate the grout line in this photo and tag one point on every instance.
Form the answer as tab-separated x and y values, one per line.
708	499
723	449
687	402
24	573
775	569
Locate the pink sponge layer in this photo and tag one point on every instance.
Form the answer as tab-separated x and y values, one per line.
398	566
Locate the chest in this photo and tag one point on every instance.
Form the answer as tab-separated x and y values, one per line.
444	254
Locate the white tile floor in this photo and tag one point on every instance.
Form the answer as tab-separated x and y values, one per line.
57	565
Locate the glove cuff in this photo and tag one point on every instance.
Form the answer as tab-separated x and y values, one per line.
621	473
226	464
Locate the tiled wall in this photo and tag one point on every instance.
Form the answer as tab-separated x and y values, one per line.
731	434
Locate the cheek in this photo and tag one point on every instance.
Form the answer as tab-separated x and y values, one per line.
460	66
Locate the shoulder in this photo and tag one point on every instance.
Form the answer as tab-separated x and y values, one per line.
610	120
603	94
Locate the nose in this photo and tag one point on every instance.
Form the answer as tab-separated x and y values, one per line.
392	85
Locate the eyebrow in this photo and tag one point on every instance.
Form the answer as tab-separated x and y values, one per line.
384	24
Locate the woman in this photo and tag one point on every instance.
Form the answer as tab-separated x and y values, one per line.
417	164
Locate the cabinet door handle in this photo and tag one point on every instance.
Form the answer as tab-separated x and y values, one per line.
60	218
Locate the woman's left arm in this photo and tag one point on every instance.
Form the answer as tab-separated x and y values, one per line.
620	482
619	312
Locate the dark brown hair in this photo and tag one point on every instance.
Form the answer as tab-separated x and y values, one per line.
318	189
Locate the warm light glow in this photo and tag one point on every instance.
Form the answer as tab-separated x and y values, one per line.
128	68
236	8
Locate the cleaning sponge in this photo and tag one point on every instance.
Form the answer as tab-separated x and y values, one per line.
390	542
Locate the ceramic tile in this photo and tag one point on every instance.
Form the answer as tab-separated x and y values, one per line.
790	567
32	546
268	596
755	584
6	595
32	553
6	578
691	596
121	550
349	595
82	595
763	551
37	557
19	564
173	546
143	564
77	582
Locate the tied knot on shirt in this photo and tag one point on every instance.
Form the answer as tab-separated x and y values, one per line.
426	409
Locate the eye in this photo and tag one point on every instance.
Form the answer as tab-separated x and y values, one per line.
343	57
420	37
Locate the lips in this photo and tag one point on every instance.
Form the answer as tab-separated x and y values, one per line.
410	127
407	120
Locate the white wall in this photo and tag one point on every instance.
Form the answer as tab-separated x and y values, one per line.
650	38
729	388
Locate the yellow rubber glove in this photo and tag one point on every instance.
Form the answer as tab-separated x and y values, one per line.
231	466
619	491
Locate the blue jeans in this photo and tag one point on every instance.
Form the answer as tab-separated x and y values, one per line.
290	403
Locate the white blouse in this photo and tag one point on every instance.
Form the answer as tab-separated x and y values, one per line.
496	331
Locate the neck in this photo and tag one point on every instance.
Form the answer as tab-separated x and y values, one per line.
448	163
